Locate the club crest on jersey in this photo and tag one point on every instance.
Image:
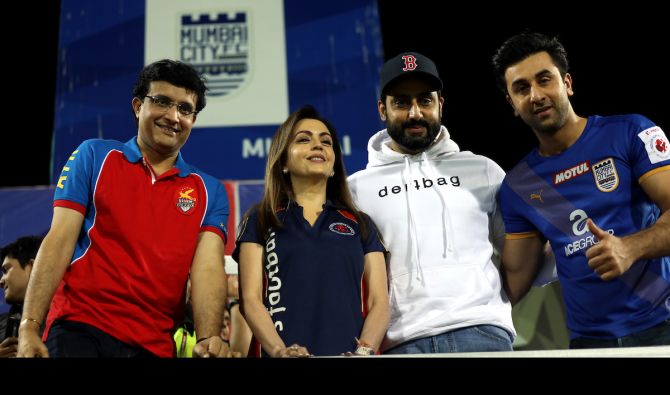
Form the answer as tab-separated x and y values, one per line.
342	228
605	174
186	199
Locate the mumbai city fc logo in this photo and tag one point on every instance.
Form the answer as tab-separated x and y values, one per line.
605	174
342	228
218	48
186	199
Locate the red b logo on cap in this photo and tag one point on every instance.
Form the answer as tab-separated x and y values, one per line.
410	62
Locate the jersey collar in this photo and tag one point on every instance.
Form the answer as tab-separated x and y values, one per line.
132	152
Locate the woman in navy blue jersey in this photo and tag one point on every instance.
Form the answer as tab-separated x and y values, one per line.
312	269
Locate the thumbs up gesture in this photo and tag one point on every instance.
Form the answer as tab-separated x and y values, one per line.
611	257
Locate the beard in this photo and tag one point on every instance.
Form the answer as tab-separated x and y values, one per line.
411	142
549	127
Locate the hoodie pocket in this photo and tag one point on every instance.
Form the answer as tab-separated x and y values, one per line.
447	290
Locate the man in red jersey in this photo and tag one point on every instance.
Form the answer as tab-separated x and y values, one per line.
131	220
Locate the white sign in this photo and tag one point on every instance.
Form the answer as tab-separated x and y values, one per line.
239	47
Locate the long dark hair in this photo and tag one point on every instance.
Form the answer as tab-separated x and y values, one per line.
278	190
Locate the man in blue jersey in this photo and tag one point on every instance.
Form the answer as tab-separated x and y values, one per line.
598	189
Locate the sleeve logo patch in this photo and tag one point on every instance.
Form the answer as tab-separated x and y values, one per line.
656	143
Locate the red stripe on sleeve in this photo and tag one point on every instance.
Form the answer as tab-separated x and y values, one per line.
214	229
71	205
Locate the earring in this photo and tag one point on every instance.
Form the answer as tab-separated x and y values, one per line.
285	170
332	173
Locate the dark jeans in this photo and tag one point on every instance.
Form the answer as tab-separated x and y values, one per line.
658	335
469	339
70	339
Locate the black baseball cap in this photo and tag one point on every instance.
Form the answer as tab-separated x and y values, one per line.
409	63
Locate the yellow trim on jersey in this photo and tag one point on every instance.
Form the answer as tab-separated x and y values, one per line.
524	235
60	182
652	172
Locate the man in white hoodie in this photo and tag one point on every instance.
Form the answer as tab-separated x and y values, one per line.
436	208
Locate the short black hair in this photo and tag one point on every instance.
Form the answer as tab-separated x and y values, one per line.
175	72
23	249
521	46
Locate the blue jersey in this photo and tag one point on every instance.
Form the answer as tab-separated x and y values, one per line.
598	177
314	277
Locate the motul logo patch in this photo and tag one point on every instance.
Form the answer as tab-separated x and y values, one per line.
568	174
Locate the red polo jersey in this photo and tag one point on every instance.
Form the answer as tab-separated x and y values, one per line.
129	269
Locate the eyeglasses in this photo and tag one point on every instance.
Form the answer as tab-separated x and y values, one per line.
184	109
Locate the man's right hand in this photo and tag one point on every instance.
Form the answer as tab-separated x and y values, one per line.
8	347
30	344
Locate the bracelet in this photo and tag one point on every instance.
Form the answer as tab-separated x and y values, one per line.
23	321
364	348
205	338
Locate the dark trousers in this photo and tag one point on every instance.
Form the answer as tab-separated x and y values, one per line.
70	339
658	335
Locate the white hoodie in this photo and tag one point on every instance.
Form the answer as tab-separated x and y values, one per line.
438	215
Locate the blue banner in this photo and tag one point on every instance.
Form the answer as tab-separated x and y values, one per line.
262	58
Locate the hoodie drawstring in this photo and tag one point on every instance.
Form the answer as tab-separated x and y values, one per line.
447	226
408	180
380	153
